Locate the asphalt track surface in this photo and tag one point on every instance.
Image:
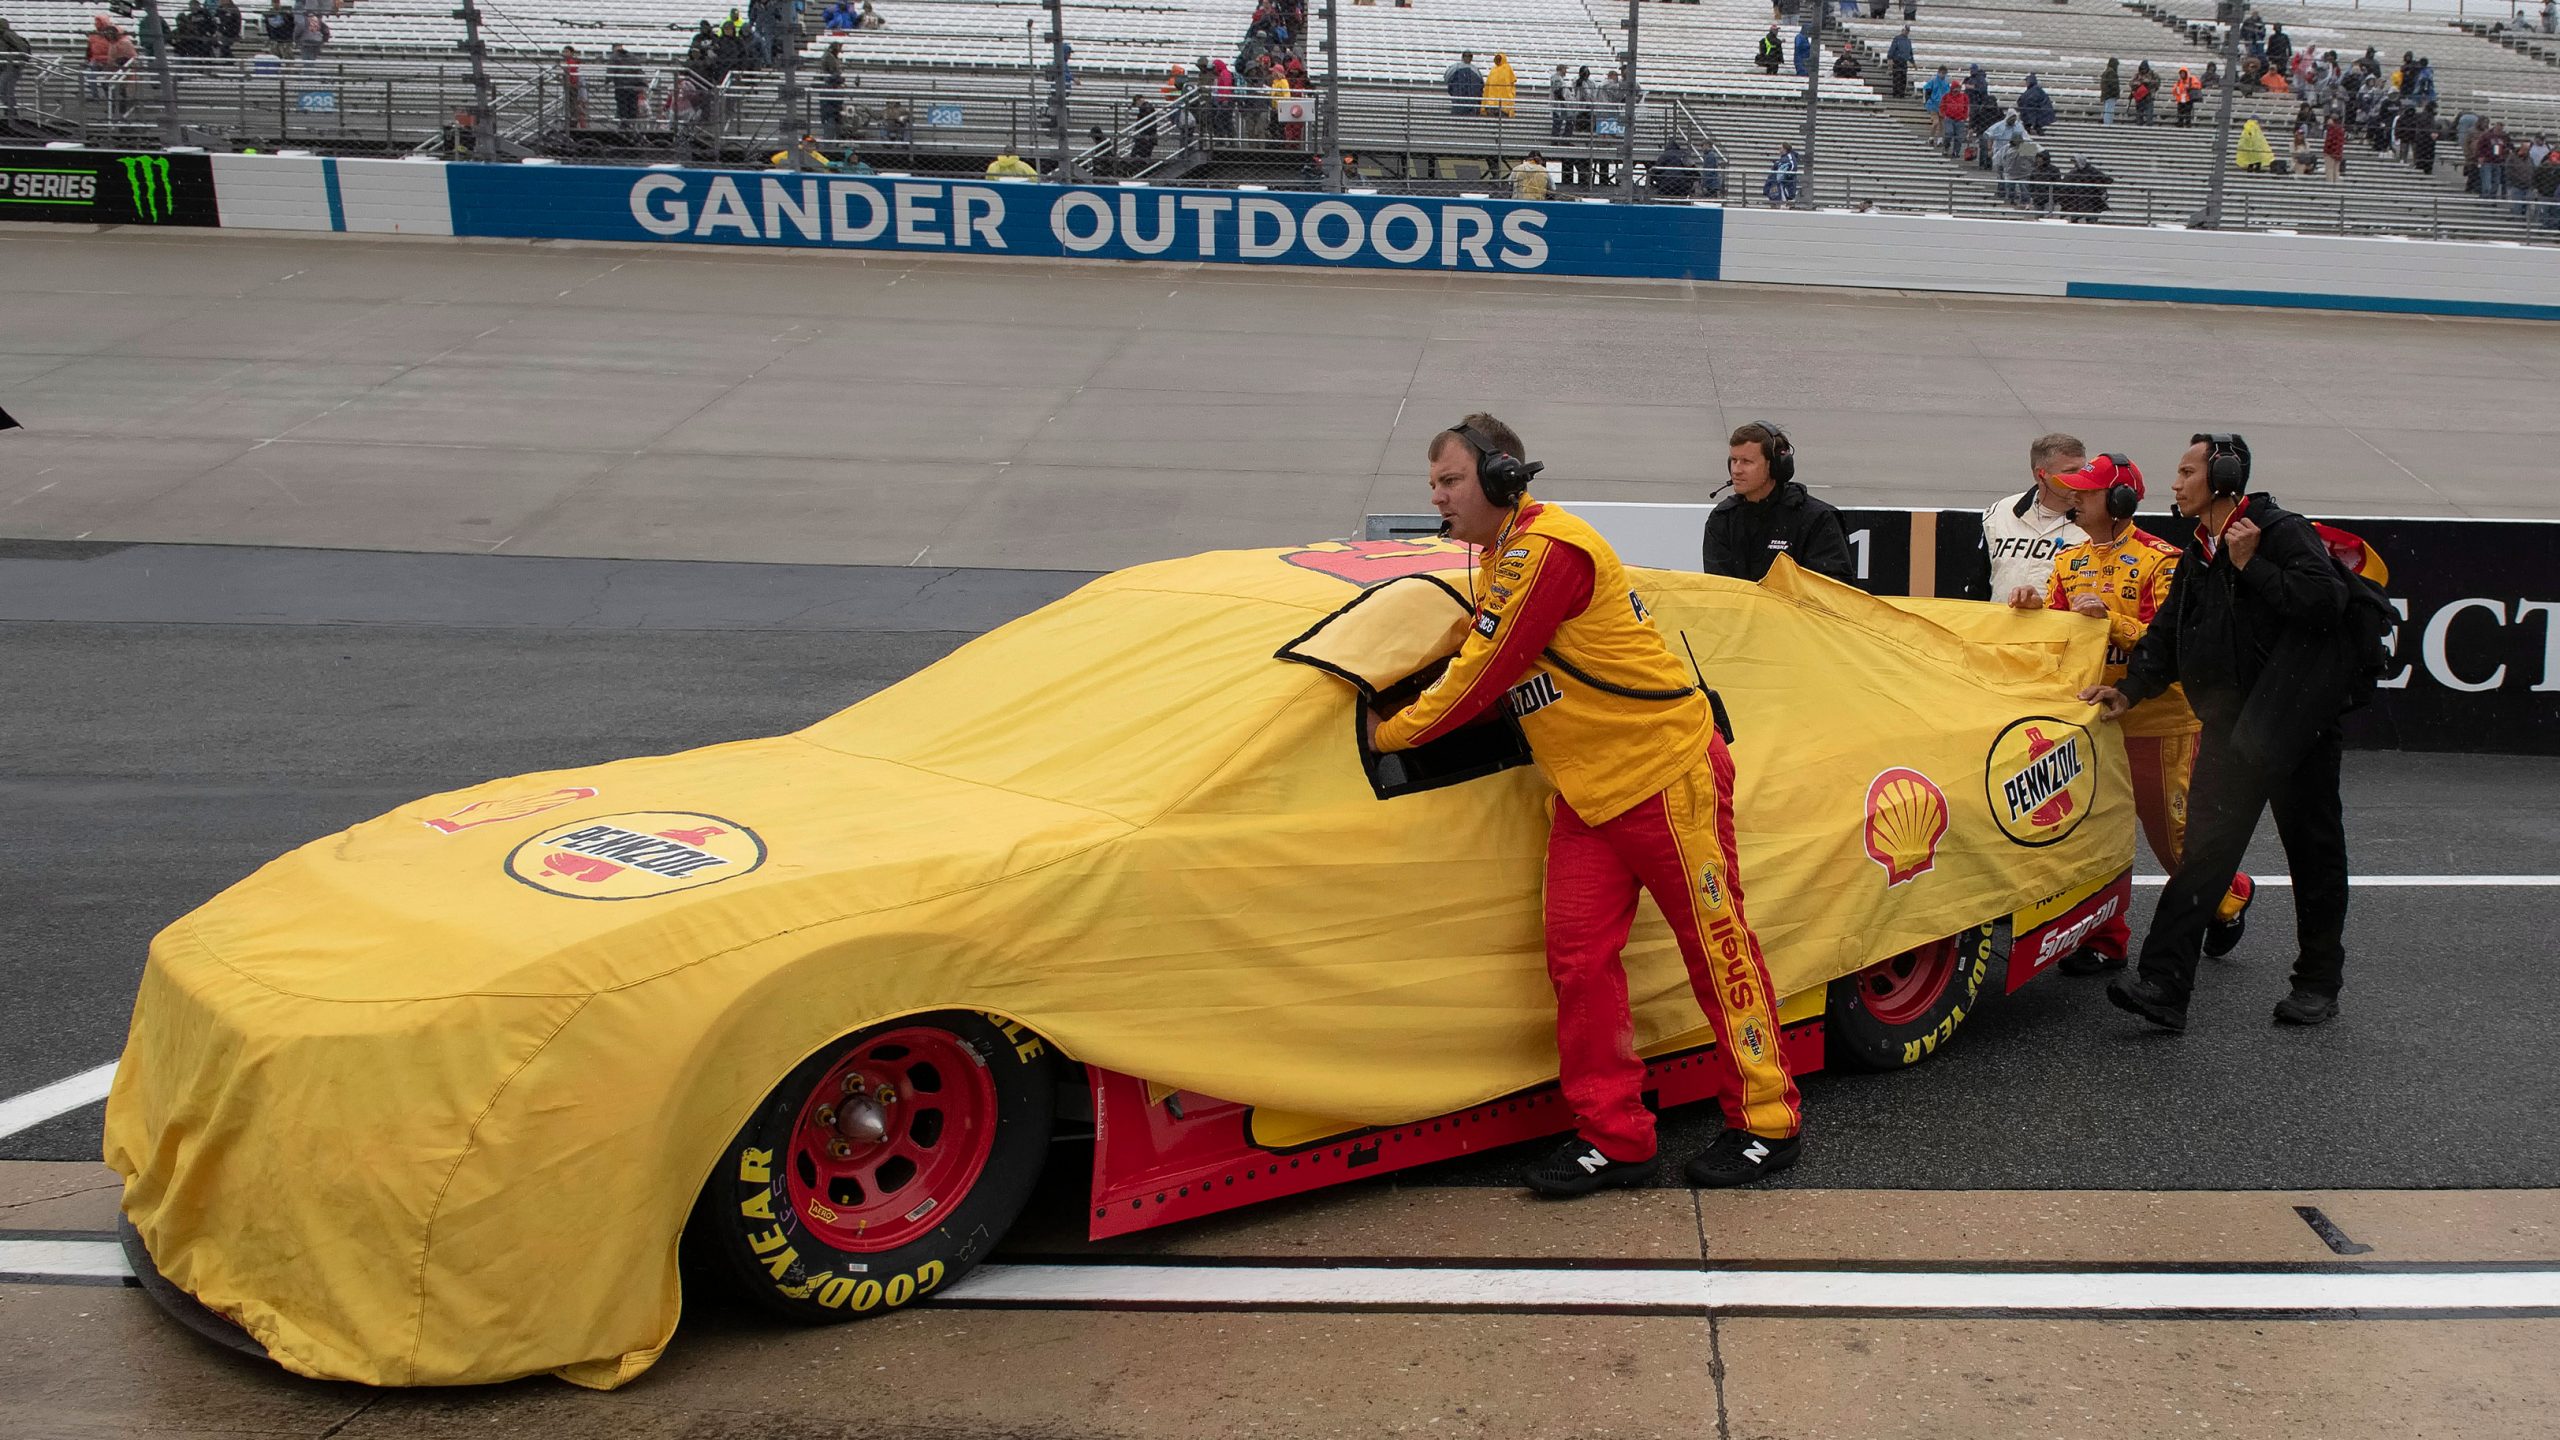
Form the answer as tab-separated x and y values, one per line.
183	714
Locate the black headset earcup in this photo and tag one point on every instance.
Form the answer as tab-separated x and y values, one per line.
1503	478
2121	501
1782	459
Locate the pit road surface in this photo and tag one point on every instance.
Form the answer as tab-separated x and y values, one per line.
184	714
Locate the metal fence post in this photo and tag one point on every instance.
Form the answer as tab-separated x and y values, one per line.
1329	124
2231	13
1627	112
484	118
1058	82
794	120
168	82
1812	95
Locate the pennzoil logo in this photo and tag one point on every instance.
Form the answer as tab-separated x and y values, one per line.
507	807
2042	779
146	178
1906	818
1374	562
637	855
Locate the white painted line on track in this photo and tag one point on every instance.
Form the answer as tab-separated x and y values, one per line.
2408	882
64	1259
61	1097
2268	1292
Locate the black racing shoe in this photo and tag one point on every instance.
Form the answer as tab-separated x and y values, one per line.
2306	1007
2085	961
2221	937
1739	1157
1579	1168
2137	996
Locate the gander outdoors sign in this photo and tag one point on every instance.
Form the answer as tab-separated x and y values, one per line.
87	186
1109	222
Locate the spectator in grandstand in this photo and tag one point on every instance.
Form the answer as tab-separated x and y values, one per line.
1010	166
2183	92
2422	139
702	52
1222	97
2253	36
2021	534
1586	100
1933	90
227	24
1464	84
1779	186
1804	49
2035	108
2279	52
1846	67
2145	93
14	51
2082	193
2110	89
2546	186
1501	87
1145	119
194	34
2333	146
1910	9
1953	108
1766	517
2492	159
830	88
1999	146
1899	56
2422	86
1674	175
839	15
1529	178
573	89
2253	153
1770	53
1559	105
897	123
630	86
1613	92
2306	141
1281	115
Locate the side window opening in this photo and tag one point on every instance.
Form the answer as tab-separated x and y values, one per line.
1489	746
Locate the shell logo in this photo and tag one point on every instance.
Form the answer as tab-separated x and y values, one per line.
636	856
1374	562
2041	778
1906	818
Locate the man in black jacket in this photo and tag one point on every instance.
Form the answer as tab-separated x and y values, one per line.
1770	513
2254	628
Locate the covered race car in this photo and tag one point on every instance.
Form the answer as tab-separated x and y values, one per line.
432	1100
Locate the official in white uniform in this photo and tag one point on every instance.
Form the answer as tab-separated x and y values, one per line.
2022	533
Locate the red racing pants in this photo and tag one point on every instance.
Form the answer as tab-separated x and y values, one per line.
2162	767
1678	845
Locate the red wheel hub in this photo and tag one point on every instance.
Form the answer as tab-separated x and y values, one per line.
890	1138
1904	987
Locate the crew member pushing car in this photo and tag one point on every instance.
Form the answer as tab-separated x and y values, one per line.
1644	801
2121	575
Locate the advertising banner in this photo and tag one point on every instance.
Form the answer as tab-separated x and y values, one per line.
878	212
92	187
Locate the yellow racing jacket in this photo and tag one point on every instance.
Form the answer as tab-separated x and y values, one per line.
2131	573
1561	639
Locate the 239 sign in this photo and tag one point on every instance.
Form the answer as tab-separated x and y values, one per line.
95	187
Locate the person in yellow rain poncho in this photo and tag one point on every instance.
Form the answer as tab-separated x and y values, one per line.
1501	86
430	1100
2253	151
1008	165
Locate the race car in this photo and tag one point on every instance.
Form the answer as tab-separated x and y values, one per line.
435	1099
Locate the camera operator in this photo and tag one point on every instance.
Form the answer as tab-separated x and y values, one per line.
1645	801
2022	533
2122	576
2254	629
1770	513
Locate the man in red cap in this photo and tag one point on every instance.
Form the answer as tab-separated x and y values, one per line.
2121	574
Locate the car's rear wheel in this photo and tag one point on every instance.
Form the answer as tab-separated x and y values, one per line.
882	1168
1899	1010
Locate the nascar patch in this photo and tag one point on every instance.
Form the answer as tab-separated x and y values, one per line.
1486	623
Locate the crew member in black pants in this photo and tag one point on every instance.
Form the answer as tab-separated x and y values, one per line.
2254	629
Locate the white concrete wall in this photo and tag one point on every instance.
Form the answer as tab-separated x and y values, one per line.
394	197
2026	257
271	192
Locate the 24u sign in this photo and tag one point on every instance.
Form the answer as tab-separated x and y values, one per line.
97	187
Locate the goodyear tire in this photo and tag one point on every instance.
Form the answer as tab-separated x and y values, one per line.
881	1169
1899	1011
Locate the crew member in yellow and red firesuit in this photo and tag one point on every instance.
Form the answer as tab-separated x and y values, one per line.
1644	802
2121	574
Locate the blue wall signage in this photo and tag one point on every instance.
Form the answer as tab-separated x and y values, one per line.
1113	223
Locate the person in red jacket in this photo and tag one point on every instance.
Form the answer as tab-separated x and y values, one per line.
1953	109
1644	803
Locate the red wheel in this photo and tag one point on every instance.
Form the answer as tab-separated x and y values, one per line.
1899	1010
881	1168
890	1132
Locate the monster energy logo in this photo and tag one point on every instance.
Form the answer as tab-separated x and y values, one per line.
147	178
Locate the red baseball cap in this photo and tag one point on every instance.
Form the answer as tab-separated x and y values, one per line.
2104	471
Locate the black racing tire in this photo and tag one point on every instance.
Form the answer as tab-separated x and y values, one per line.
1901	1009
810	1221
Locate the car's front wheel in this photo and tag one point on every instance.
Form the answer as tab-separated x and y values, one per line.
1899	1010
882	1168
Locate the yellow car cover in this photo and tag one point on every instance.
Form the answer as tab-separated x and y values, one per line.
426	1101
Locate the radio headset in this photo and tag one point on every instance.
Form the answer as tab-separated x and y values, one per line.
1779	451
2124	495
2226	463
1503	476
